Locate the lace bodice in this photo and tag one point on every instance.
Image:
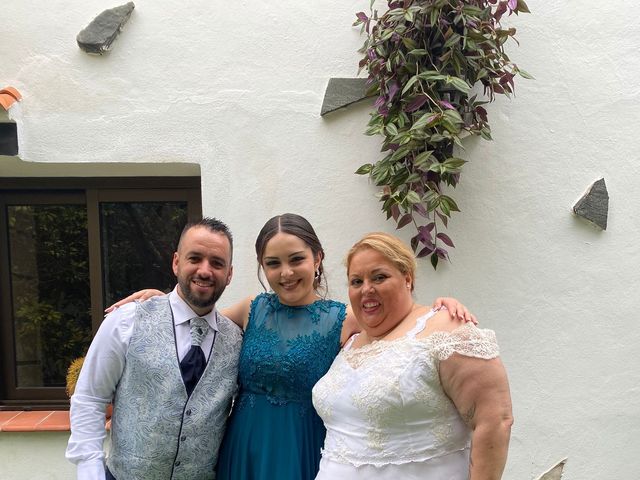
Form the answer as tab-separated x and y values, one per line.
383	403
287	349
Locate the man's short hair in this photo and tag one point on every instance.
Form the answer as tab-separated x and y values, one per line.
213	225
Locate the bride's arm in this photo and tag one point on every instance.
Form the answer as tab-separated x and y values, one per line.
480	391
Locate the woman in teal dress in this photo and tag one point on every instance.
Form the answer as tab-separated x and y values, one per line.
291	338
273	431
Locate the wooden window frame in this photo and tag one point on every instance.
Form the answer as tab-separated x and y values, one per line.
90	192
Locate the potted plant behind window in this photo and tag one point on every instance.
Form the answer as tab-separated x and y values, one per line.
425	59
73	372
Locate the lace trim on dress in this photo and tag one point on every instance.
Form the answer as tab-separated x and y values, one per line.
377	346
467	340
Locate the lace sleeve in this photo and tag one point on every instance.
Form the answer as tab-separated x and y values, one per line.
467	340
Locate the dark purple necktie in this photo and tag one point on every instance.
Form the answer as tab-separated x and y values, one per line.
194	362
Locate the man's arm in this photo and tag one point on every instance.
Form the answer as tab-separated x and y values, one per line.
95	388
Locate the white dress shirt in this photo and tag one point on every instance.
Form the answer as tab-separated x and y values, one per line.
101	372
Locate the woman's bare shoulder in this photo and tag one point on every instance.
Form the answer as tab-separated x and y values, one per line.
239	312
441	321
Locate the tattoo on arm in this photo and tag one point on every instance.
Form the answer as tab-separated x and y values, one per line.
468	416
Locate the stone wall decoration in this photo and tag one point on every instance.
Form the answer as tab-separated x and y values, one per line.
555	472
341	92
594	205
98	36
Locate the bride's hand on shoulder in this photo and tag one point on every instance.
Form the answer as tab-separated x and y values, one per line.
139	296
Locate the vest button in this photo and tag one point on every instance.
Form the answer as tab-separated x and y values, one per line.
177	464
183	438
188	412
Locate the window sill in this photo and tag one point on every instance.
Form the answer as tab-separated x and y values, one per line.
36	421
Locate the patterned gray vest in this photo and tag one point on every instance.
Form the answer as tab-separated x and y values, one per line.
156	431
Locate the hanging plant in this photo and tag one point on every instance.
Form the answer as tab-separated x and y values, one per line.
425	60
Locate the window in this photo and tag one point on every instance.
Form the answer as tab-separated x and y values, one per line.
68	248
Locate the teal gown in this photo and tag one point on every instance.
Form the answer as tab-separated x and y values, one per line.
273	431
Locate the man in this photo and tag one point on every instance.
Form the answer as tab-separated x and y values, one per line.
169	415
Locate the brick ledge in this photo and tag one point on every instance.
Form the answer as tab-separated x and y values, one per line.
34	421
37	421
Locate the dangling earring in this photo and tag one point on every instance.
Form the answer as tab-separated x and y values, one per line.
317	275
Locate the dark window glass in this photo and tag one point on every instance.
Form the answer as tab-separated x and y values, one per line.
138	241
48	255
68	248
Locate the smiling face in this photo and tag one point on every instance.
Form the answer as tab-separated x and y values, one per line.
290	265
380	294
202	265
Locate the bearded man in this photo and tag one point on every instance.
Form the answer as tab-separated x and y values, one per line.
169	365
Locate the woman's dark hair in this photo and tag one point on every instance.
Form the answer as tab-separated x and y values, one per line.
293	225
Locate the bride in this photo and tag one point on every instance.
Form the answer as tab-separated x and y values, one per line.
414	395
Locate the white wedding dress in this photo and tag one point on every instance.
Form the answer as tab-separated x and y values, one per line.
386	414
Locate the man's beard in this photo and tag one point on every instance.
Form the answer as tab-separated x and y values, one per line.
199	302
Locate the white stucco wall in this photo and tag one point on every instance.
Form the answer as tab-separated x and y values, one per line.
237	89
34	456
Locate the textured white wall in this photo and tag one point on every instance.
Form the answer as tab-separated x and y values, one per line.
237	88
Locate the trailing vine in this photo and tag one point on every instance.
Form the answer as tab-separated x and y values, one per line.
426	59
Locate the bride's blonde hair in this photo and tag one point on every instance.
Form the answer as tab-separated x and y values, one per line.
394	249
